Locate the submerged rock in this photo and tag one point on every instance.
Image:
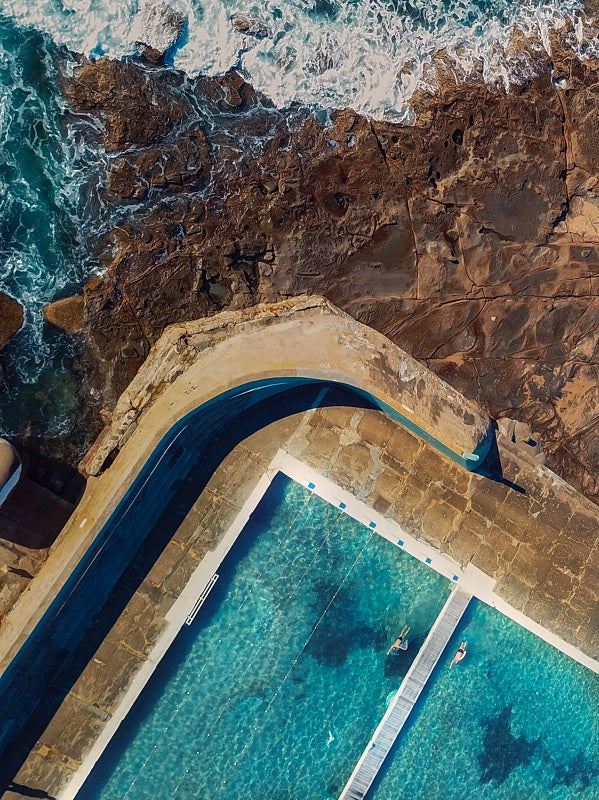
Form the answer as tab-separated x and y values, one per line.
250	25
11	318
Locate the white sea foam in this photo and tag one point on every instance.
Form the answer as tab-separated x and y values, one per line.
367	54
44	196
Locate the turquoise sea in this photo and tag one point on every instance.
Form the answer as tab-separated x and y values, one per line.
277	687
49	171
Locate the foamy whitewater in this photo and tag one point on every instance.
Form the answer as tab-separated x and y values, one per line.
369	55
48	172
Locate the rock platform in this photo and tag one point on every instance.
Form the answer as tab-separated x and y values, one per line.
470	239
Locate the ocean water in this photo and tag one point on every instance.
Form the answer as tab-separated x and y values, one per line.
369	55
277	687
49	173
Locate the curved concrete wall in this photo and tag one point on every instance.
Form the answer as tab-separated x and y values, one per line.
208	364
307	338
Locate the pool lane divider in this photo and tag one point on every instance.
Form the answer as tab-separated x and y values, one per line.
404	701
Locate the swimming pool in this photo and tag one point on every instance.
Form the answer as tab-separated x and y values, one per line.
516	719
275	688
278	685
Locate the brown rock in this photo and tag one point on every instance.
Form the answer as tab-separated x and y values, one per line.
11	318
177	167
470	239
136	110
66	314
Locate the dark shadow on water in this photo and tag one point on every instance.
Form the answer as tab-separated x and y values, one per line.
343	629
577	770
55	656
503	752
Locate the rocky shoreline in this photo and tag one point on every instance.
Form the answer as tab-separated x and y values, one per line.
470	239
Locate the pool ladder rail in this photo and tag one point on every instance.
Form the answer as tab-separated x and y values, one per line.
201	599
412	685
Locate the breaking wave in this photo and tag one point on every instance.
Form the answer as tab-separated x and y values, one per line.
46	188
370	55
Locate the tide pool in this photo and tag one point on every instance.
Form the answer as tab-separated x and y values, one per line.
277	687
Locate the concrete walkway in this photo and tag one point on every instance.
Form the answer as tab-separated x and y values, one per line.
404	701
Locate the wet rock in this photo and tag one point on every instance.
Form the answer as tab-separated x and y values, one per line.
66	314
471	239
250	25
136	108
11	318
159	26
183	165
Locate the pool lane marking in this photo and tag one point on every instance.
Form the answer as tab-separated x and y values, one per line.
252	736
255	654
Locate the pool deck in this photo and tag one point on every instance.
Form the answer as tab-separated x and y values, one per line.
533	548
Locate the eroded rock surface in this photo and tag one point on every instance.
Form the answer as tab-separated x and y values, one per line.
11	318
66	314
470	239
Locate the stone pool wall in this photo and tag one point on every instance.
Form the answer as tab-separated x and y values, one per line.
530	533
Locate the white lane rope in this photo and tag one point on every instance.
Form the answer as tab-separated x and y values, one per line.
256	653
252	736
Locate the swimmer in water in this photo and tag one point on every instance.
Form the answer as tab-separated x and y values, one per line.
461	654
401	643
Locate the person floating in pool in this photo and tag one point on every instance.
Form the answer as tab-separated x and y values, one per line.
461	654
401	643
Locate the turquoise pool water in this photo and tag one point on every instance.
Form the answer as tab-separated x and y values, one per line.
275	688
516	719
278	685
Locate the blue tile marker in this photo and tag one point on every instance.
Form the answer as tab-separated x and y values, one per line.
311	485
372	525
400	542
342	505
455	577
429	560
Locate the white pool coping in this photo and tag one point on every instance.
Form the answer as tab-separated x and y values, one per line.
471	579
